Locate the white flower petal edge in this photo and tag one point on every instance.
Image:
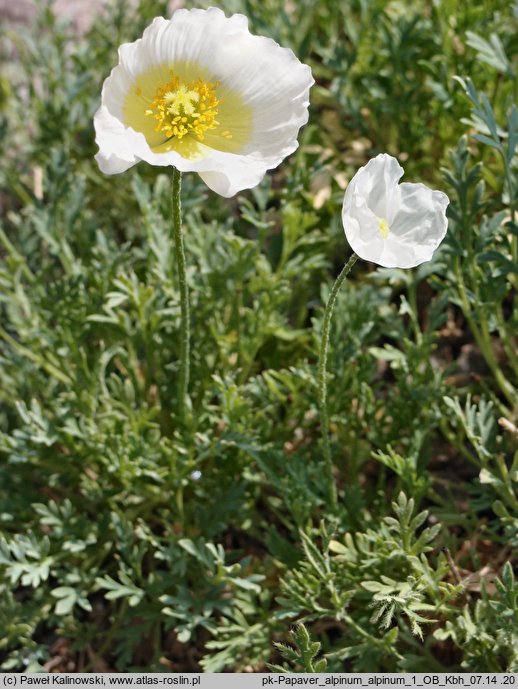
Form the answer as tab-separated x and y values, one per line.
393	225
269	82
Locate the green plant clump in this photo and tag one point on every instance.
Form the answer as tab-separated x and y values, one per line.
132	539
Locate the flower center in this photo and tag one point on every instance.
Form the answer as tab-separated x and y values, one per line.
384	228
181	108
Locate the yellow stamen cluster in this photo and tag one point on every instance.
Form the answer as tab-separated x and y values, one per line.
384	228
185	108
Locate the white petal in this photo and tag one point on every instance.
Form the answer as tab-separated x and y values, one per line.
361	227
421	213
419	226
116	144
397	254
111	165
274	84
195	36
377	182
228	184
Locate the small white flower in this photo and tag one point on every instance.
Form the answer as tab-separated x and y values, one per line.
200	92
393	225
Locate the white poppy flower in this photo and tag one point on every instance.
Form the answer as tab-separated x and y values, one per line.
393	225
200	92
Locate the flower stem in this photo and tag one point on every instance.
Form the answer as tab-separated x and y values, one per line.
183	382
322	382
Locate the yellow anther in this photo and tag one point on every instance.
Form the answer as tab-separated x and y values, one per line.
384	228
185	108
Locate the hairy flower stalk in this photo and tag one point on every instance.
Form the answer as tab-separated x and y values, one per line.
185	328
322	381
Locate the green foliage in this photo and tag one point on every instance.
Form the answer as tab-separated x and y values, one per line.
370	582
130	541
489	632
303	655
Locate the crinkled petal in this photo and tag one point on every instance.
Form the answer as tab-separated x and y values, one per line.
274	85
419	226
421	214
377	183
117	145
361	226
398	254
238	174
190	36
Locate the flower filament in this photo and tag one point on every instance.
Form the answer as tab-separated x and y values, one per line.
181	108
